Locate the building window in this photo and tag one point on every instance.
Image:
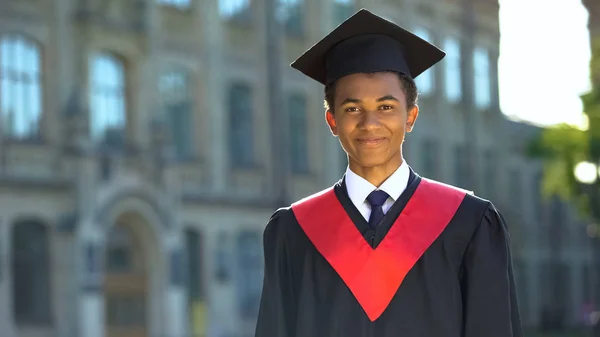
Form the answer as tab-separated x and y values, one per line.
31	273
481	64
520	274
597	282
429	158
343	9
516	192
21	87
453	80
425	81
491	175
291	14
223	258
241	126
558	219
537	196
107	99
298	132
586	285
461	171
249	256
194	259
407	151
343	161
195	278
237	10
551	314
178	106
564	288
179	4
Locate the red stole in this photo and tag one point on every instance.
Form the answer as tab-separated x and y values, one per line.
374	275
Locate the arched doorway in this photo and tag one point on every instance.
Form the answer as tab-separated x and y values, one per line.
126	281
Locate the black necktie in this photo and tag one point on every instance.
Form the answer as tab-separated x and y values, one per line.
376	199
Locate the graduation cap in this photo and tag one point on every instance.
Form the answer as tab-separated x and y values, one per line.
367	43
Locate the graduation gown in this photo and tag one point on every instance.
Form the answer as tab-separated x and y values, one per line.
330	275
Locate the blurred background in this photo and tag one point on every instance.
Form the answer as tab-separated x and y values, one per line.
144	145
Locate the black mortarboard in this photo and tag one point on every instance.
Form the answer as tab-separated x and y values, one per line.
367	43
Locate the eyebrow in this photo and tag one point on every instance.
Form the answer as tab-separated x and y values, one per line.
380	99
387	98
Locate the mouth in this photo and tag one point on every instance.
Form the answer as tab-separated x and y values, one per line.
370	141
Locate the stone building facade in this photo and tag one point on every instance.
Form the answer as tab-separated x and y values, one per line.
138	158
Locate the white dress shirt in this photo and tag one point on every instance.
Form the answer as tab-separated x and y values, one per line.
359	189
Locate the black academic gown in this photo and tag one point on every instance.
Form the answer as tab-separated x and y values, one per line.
462	286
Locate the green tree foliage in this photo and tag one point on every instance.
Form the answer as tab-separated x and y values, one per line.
562	147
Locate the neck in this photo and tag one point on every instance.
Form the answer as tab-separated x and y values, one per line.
376	175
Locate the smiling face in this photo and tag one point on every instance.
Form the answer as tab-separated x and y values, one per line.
371	117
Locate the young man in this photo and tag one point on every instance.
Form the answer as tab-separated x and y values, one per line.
384	252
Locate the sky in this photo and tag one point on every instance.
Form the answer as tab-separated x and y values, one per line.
544	60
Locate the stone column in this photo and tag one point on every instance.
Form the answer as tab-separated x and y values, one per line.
333	156
175	297
6	316
213	55
91	299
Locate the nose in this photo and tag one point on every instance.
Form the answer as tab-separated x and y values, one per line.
370	120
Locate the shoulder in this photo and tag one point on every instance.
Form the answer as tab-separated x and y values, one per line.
277	222
473	212
472	203
284	221
439	186
485	216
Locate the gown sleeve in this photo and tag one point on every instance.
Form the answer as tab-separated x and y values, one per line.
488	286
277	305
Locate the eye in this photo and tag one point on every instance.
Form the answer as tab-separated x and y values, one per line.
386	107
352	109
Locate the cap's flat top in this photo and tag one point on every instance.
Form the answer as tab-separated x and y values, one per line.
366	42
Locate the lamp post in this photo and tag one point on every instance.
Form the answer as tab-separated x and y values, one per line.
588	174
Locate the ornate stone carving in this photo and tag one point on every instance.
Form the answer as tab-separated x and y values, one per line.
128	15
102	212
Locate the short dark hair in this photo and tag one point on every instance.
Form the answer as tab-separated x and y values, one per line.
408	84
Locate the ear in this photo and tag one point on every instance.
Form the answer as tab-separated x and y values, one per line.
411	119
330	119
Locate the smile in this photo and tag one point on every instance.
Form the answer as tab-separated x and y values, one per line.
370	141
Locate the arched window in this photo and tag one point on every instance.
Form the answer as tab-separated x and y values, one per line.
241	126
180	4
20	86
483	84
298	131
177	101
291	14
425	81
430	158
31	273
453	71
107	99
235	9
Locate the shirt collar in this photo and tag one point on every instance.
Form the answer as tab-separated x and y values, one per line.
359	188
